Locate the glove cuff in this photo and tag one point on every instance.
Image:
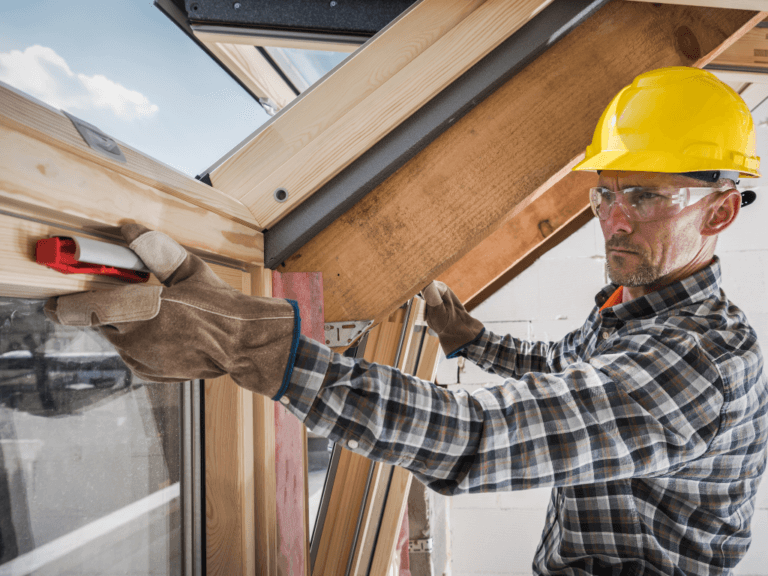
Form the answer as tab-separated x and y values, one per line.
292	354
463	347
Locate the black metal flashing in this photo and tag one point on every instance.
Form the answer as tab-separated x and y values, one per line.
358	17
413	135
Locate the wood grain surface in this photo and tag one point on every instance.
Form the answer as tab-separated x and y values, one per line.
320	107
33	118
384	109
516	143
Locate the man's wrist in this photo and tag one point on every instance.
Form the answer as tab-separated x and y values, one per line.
308	371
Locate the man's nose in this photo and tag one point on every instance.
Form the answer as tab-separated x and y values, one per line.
618	219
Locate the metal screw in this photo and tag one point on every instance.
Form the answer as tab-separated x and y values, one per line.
333	3
236	5
280	195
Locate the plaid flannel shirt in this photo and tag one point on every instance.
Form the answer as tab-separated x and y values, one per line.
650	422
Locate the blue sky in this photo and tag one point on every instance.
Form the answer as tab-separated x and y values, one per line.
125	67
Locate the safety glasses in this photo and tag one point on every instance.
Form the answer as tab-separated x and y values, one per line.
647	203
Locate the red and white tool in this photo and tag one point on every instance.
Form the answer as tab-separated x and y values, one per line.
77	255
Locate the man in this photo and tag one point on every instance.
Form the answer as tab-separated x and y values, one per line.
650	421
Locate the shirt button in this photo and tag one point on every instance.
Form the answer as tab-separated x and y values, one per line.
352	444
605	335
285	400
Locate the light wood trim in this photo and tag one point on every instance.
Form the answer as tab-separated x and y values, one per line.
208	36
733	4
750	51
325	103
417	309
347	497
430	352
21	113
374	509
374	117
391	521
22	277
254	71
265	485
52	180
229	468
516	143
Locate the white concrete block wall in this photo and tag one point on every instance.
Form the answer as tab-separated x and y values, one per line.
497	534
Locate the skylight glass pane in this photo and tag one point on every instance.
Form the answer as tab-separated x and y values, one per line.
305	67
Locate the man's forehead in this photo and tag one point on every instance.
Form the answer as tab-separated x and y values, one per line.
625	178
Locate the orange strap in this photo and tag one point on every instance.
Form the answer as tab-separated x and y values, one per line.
614	299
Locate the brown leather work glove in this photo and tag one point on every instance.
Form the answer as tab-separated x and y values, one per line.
195	326
446	315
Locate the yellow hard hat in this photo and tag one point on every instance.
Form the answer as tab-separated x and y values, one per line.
675	120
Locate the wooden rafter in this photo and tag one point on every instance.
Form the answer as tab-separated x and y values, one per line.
381	85
514	145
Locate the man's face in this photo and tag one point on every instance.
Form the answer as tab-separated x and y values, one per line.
648	253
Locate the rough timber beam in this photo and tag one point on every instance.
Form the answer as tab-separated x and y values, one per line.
514	145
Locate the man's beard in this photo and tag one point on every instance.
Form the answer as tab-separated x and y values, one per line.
644	274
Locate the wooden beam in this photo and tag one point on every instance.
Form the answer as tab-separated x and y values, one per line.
374	115
751	51
254	71
41	123
529	225
516	144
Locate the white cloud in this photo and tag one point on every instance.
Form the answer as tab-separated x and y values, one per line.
42	73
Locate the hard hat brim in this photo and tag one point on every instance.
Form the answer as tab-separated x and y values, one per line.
654	161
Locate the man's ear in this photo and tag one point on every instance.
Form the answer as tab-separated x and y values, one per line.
721	212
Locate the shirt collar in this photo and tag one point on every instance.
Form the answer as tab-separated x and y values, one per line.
695	288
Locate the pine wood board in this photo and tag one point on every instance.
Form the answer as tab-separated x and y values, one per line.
33	118
229	467
528	226
750	51
254	71
57	184
375	116
20	274
347	497
516	143
325	103
374	508
265	477
391	521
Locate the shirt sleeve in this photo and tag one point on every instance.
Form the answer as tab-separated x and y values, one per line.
511	357
638	408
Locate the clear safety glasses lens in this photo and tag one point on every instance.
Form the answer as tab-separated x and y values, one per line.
645	204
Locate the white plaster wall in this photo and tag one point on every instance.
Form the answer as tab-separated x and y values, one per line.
497	534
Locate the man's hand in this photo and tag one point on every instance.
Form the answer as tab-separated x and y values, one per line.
196	326
447	317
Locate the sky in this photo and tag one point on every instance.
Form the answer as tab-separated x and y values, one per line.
125	67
